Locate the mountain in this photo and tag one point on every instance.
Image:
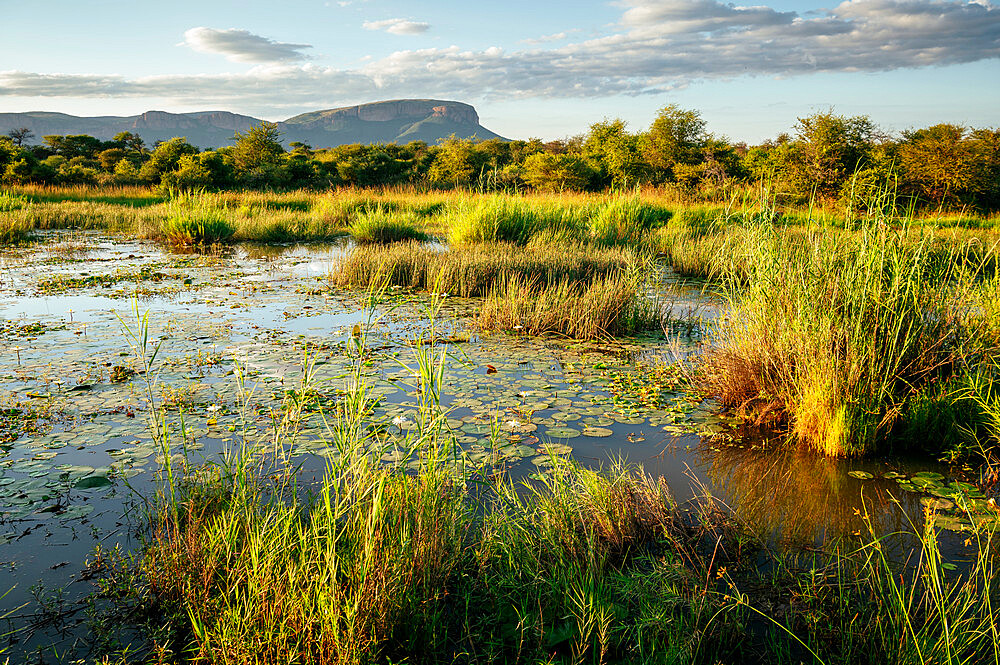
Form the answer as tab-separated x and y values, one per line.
396	121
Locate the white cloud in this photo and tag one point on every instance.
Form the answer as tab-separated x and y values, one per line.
398	26
659	45
242	46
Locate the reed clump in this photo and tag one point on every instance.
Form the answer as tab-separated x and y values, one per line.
625	221
15	227
197	225
606	306
474	270
510	219
837	335
382	227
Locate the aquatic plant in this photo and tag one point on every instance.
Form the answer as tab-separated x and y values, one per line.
625	221
199	226
606	306
474	270
381	226
837	334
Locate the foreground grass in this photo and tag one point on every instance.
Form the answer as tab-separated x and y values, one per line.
450	563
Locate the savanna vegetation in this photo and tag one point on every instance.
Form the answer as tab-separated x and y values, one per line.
825	157
856	275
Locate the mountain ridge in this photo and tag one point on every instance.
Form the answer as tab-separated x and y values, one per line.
389	121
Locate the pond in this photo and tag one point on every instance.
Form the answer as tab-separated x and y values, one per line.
77	462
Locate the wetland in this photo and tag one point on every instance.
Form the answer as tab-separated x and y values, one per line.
409	437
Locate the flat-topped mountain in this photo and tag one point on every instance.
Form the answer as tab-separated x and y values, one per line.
397	121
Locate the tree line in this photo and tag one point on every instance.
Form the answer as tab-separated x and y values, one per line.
826	157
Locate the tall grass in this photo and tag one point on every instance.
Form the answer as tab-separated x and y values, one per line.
192	222
840	333
625	221
511	219
607	306
381	226
475	270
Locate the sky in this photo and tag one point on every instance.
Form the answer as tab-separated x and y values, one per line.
531	68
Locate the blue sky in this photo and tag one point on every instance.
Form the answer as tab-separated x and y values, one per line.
531	68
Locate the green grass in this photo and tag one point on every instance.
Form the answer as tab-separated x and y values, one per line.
197	226
607	306
511	219
474	270
625	221
839	334
382	227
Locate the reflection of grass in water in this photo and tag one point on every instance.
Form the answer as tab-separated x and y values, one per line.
796	494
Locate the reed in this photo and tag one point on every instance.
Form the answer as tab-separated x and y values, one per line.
839	333
382	227
607	306
474	270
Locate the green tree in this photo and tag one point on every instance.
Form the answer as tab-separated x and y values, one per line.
615	154
677	136
550	172
130	142
939	163
257	153
457	162
828	149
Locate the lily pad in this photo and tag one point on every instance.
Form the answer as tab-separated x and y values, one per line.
860	475
562	432
92	482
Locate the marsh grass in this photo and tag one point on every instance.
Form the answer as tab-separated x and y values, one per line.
15	227
382	227
196	225
606	306
625	221
475	270
838	334
511	219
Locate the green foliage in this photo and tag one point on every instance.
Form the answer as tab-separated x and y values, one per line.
829	148
257	155
380	226
194	223
677	138
556	173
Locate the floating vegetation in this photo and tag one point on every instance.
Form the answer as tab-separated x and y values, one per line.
64	283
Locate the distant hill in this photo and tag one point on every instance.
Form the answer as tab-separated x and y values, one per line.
397	121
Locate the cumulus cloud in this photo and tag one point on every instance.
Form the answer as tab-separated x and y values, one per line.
242	46
658	45
398	26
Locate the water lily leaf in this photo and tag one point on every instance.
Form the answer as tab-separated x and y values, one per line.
562	432
860	475
92	482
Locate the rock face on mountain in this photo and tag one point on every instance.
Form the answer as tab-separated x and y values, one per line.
397	121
